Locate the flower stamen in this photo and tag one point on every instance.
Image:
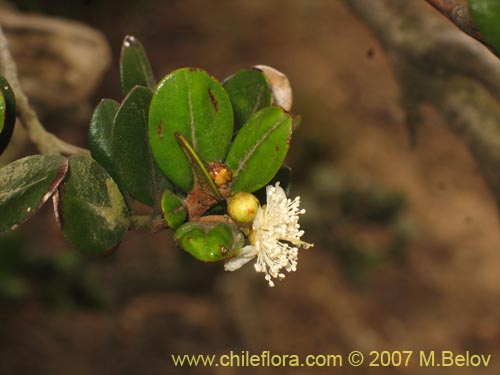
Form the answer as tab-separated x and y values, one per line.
275	237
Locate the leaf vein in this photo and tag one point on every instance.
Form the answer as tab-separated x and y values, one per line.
191	115
243	162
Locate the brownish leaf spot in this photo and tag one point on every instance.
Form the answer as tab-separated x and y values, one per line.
160	129
214	101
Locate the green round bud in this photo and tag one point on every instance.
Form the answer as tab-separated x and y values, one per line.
242	207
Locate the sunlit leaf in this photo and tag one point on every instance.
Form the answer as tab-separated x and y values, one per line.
259	149
189	102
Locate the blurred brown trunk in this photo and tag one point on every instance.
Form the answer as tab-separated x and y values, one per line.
437	63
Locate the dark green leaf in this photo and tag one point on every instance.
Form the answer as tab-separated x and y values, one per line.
283	176
8	115
90	207
486	16
100	133
249	92
137	170
25	185
173	208
259	149
209	241
135	69
190	102
2	112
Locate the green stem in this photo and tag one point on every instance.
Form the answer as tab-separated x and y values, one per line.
198	165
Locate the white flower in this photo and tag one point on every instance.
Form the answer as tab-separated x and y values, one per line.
274	238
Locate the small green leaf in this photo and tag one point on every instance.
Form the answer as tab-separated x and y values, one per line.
8	114
90	207
209	241
189	102
137	170
259	149
249	92
25	185
173	208
135	69
100	133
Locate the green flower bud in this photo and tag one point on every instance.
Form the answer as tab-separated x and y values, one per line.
242	207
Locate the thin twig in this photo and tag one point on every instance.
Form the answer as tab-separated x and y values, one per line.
46	142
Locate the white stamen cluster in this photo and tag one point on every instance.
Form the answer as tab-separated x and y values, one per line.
274	237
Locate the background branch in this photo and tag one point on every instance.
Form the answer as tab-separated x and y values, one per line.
437	63
153	223
457	11
46	142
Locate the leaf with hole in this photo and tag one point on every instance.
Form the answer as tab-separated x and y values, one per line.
7	113
90	208
209	241
25	185
249	92
135	69
190	102
135	166
259	149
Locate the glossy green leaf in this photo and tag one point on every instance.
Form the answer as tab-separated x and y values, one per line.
486	16
190	102
8	113
209	241
173	209
137	170
25	185
259	149
100	133
135	69
249	92
90	208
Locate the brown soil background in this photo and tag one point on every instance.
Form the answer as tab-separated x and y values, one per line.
444	296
